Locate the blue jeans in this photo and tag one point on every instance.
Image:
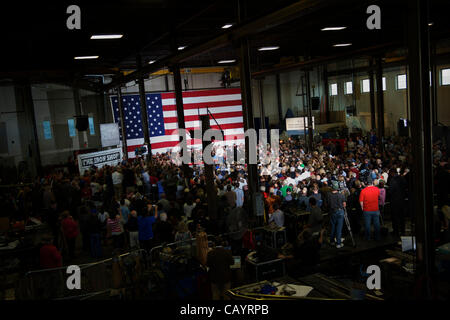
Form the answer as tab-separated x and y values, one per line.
96	245
337	221
369	217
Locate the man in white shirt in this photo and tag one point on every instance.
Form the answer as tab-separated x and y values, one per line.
239	196
117	178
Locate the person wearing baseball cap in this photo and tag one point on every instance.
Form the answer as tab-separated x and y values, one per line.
337	204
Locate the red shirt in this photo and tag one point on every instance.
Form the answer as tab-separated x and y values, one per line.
50	257
369	197
70	228
153	180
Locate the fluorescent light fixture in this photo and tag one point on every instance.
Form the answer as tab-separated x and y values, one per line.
342	45
226	26
181	48
268	48
226	61
85	57
333	28
106	36
151	61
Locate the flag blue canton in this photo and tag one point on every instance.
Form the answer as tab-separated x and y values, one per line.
155	115
133	120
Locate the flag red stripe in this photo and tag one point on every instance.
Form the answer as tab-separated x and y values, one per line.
196	118
171	144
223	126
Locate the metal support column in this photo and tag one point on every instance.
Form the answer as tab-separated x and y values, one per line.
180	112
327	95
261	105
143	103
373	125
309	112
380	103
421	132
209	175
434	85
247	108
33	147
280	109
78	112
122	124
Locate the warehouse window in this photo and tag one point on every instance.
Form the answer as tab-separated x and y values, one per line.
445	77
348	87
365	85
71	124
47	130
91	126
333	89
401	81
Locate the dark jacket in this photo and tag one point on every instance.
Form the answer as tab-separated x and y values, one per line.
219	261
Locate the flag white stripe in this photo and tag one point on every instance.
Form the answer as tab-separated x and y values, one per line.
197	146
175	137
195	124
189	100
195	112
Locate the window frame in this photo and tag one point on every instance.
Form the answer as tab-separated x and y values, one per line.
345	88
331	90
396	81
71	122
362	85
441	78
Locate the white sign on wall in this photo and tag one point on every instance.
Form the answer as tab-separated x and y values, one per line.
99	159
298	124
109	134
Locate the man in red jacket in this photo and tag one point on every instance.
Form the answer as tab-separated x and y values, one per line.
368	199
70	230
49	256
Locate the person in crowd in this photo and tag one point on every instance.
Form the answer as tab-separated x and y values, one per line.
70	231
219	260
369	200
231	197
163	230
116	230
277	216
49	255
239	195
271	200
183	233
306	253
117	179
354	211
145	225
315	219
337	204
95	226
132	227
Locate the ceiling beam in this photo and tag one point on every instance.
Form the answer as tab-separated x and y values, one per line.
261	24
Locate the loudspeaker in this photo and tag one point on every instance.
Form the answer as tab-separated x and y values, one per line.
82	123
351	111
315	103
403	127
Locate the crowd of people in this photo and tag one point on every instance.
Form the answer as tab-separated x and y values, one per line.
142	203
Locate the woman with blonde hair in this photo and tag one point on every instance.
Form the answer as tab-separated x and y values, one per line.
183	233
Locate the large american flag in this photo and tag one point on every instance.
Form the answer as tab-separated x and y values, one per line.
224	104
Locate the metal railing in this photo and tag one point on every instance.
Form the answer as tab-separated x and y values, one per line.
97	278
